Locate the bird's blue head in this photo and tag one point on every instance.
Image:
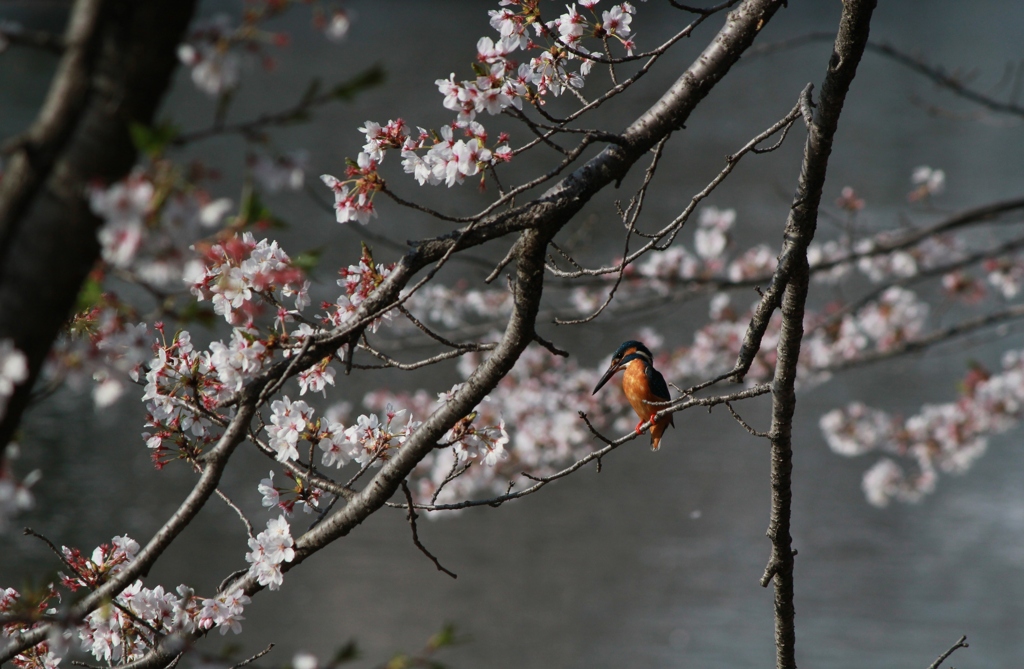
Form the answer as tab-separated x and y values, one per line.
626	353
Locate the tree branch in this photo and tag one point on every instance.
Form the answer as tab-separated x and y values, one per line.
118	62
849	47
961	643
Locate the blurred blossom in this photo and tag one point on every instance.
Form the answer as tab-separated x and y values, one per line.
849	200
711	237
336	29
929	182
282	172
15	495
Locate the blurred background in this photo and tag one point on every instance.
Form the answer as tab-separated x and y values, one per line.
656	560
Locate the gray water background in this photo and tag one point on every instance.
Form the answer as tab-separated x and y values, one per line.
656	561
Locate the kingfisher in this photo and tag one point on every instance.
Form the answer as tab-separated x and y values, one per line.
644	386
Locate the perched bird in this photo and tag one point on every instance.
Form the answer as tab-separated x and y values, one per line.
644	386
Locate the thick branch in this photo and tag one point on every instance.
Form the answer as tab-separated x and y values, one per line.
800	228
118	62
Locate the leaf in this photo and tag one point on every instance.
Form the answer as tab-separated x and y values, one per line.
309	259
446	637
90	295
152	140
346	653
193	312
253	212
347	90
398	662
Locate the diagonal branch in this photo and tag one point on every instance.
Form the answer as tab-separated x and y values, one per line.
961	643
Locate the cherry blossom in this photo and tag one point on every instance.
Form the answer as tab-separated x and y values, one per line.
278	173
269	549
289	421
213	49
939	438
15	495
929	182
338	26
711	236
13	370
147	230
236	269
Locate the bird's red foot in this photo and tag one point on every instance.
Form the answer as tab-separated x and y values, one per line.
638	426
652	418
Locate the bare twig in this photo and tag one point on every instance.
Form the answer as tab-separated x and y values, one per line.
391	363
554	350
666	235
743	423
296	113
255	657
227	500
631	216
415	535
17	35
934	73
961	643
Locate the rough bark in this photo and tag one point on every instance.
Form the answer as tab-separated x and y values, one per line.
118	62
799	231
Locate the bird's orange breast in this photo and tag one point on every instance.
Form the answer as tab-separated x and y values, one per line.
638	390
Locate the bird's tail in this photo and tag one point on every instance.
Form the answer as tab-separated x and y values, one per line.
657	430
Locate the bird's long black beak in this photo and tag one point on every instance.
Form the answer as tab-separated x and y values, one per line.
607	375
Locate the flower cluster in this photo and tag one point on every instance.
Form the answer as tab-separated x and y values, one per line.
501	83
928	181
235	270
300	493
136	619
180	384
212	49
940	437
454	306
368	441
101	345
288	422
149	221
269	549
358	282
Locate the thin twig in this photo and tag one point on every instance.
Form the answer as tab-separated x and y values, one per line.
415	535
961	643
635	207
748	428
255	657
610	445
227	500
667	234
